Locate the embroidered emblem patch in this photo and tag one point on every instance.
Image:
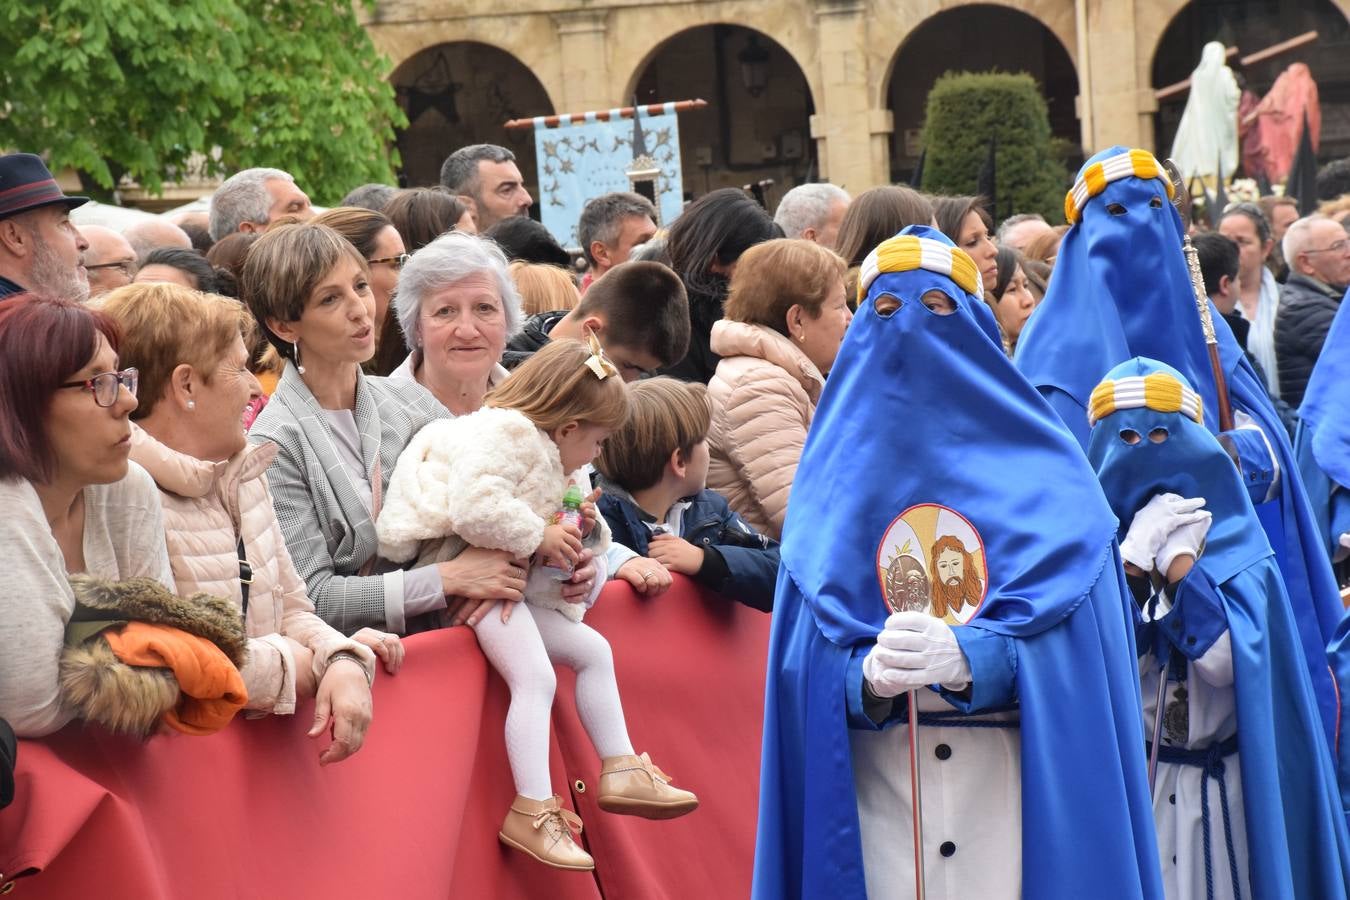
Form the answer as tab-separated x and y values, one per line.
931	560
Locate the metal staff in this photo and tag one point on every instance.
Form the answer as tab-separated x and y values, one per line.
1182	201
1211	340
1157	732
915	791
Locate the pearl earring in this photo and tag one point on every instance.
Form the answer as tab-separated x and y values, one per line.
295	349
192	404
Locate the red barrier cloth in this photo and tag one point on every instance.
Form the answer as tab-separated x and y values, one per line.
248	812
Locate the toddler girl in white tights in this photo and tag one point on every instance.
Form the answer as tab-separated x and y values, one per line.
494	479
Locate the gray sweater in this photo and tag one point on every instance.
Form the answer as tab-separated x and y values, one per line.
123	538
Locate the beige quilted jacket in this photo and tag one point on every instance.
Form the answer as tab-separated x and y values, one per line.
207	507
763	397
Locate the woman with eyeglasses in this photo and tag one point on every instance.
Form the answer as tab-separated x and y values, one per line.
72	501
339	433
375	238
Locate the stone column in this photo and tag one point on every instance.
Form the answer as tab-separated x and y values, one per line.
1121	97
585	62
852	138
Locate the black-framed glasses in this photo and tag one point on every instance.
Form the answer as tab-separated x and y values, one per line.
126	267
105	384
1337	247
397	262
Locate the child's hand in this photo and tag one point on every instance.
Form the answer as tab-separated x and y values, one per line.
647	576
561	543
676	554
589	514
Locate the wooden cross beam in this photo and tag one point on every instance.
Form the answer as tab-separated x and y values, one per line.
1293	43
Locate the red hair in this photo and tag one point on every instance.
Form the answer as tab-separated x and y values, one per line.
43	342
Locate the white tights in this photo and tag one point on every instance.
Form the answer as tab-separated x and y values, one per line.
523	651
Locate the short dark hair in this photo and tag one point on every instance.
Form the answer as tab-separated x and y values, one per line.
645	307
189	261
522	238
370	196
420	215
459	172
602	218
43	342
717	227
200	236
1218	257
878	214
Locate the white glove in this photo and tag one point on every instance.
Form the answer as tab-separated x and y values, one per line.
1154	524
912	651
1188	538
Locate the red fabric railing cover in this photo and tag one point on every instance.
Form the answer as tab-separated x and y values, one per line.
248	812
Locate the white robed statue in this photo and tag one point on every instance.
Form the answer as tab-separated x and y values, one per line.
1208	134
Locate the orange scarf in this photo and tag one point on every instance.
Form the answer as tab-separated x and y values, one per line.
211	690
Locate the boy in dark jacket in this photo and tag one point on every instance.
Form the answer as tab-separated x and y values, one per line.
653	472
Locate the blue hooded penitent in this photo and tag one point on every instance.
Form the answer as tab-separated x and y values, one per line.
922	408
1323	439
1296	831
1122	289
1323	444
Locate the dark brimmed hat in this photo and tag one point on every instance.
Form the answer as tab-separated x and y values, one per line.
26	183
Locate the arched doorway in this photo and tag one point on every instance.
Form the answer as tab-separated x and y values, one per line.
757	124
979	37
461	93
1252	25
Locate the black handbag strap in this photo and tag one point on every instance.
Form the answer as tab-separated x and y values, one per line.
9	751
245	575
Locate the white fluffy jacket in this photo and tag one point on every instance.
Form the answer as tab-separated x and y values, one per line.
490	479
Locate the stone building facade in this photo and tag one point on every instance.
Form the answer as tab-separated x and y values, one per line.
819	89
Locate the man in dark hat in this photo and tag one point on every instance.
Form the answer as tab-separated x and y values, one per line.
40	248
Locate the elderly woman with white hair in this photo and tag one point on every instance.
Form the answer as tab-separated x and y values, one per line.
458	306
339	433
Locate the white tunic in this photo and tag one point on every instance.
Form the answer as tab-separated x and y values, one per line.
972	808
1177	810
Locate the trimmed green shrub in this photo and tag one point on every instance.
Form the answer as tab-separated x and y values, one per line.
968	109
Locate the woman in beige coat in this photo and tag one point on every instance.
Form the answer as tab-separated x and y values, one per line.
784	320
222	533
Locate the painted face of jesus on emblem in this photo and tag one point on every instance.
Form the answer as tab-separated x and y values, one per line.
931	560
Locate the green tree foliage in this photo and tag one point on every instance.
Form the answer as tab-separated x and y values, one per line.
137	87
966	110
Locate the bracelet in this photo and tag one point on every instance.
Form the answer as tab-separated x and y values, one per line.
352	657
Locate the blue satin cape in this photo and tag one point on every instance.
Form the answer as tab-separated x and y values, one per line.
1296	830
920	408
1122	289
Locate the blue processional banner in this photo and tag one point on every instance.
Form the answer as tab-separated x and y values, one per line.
584	157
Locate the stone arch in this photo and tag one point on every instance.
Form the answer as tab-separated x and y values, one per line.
1173	41
790	26
771	134
998	35
457	93
897	27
